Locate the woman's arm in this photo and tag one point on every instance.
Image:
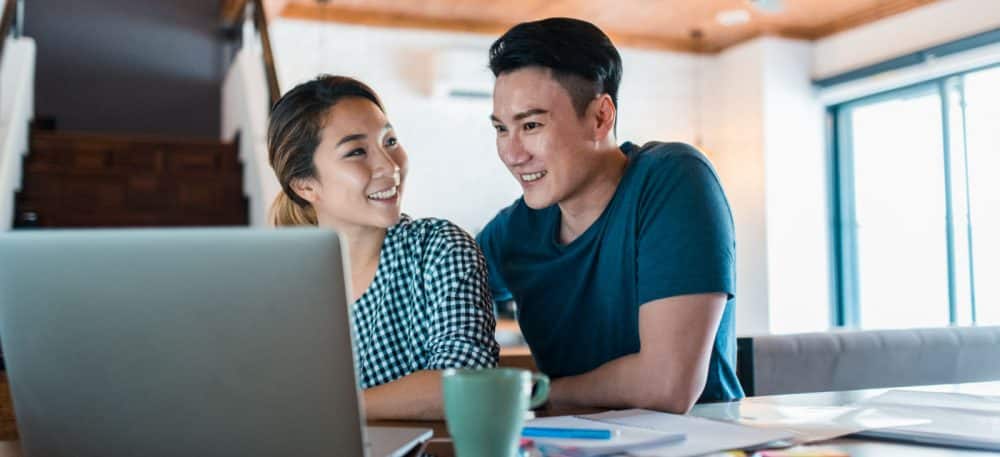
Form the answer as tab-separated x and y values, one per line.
458	317
416	396
461	328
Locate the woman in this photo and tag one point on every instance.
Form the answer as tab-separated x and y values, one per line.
421	302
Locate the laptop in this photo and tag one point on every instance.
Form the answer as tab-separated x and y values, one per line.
208	342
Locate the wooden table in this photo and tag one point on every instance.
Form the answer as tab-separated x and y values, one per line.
856	447
440	446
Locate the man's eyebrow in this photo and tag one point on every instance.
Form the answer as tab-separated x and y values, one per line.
349	138
529	113
495	119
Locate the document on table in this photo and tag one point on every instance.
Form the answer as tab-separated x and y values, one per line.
954	419
648	433
623	439
808	423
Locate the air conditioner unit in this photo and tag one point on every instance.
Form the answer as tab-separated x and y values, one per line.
462	73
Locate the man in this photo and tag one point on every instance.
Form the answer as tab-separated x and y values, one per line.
620	258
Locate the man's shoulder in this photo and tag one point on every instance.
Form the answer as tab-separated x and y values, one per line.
661	166
512	217
658	156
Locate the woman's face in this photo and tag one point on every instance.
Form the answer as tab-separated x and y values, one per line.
360	168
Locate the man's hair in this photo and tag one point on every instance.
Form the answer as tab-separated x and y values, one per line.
581	57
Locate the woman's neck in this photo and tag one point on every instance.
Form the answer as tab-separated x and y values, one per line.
364	248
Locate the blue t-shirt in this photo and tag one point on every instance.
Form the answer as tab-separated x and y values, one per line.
667	231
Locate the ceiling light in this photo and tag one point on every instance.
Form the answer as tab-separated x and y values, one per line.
768	6
730	18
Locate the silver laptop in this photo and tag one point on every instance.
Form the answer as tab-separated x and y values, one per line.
207	342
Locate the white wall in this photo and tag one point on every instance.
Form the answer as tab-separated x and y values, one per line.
751	108
763	128
454	170
904	33
796	191
733	137
719	102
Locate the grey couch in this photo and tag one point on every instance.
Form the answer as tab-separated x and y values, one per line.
846	360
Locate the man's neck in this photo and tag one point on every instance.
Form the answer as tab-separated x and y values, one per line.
582	209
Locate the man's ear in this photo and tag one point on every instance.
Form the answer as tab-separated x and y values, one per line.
306	188
604	114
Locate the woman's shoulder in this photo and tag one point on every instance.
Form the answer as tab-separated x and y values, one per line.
433	236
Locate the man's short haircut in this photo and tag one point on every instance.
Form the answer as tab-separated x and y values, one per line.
582	58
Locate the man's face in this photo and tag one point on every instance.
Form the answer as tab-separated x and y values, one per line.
540	137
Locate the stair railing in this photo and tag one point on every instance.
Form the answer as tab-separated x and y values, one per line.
249	90
17	78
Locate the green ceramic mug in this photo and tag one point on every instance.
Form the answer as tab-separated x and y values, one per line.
485	408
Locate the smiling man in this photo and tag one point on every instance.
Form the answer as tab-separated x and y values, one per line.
620	258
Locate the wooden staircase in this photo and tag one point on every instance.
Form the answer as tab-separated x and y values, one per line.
88	180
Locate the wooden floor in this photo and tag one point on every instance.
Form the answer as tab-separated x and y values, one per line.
8	427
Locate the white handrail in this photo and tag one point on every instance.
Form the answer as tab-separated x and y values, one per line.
244	113
17	108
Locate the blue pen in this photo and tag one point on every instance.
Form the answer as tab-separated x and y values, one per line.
566	433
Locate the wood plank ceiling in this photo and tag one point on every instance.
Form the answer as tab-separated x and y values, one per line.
680	25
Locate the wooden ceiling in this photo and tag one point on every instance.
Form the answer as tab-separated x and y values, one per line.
680	25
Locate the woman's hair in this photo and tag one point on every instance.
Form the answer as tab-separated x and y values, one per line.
293	133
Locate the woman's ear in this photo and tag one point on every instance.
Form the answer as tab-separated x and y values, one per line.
306	188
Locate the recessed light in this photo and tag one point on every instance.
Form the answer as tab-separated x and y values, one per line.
768	6
730	18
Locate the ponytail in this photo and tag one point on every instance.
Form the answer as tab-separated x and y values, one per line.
285	213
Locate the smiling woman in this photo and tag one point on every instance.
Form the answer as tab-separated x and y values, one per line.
419	288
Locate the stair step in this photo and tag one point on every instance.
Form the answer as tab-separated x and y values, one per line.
118	189
119	220
58	151
97	180
60	213
134	194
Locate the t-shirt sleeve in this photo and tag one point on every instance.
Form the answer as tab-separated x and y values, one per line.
461	325
490	240
686	243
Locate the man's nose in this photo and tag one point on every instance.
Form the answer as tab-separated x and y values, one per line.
514	153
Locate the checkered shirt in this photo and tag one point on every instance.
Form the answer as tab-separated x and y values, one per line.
428	308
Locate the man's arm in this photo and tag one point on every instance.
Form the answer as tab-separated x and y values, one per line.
668	373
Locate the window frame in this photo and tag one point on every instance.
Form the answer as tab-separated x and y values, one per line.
844	272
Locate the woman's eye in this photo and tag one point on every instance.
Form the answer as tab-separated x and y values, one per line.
355	152
531	125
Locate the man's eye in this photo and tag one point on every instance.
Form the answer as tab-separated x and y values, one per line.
531	125
499	128
391	141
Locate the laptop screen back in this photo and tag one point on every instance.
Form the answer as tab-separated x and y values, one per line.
179	342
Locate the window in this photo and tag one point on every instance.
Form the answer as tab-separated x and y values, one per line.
982	109
918	213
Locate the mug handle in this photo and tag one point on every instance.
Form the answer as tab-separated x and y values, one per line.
541	390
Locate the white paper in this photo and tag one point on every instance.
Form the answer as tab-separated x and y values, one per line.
624	439
702	436
989	405
959	420
808	423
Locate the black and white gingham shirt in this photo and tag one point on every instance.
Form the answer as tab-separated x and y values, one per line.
428	308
